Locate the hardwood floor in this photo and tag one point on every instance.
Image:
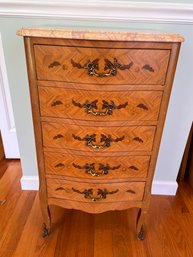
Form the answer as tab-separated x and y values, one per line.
169	226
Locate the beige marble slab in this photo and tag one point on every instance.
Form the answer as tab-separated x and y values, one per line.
99	35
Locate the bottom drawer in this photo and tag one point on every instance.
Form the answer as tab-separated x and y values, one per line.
91	192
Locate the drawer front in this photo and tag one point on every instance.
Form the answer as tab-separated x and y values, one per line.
96	167
100	106
90	192
101	65
85	138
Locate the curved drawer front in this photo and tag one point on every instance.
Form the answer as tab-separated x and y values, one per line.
99	106
96	167
101	65
90	192
85	138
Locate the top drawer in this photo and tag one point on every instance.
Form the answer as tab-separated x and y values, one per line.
101	65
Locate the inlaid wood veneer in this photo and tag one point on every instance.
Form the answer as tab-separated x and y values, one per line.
99	101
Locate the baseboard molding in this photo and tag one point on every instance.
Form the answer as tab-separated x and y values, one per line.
164	188
29	183
106	10
158	187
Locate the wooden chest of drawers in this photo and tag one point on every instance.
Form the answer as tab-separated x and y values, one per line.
99	102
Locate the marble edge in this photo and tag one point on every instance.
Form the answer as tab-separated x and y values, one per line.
99	35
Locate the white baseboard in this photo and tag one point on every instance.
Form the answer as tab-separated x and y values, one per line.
164	188
29	183
158	187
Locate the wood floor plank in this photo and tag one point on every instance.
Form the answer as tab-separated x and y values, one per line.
32	243
76	230
3	167
10	190
123	233
185	191
166	235
6	253
168	227
17	221
9	178
103	242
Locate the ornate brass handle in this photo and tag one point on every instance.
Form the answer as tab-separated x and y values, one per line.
90	139
90	169
101	193
90	106
112	67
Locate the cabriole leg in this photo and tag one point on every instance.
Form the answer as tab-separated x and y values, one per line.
47	221
140	222
45	213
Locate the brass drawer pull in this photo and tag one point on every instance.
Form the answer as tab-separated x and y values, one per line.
109	107
112	67
90	169
101	193
90	139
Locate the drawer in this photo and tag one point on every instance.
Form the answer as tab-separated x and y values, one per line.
94	138
101	65
92	192
96	167
99	106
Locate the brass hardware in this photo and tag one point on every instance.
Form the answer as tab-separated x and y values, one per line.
2	202
133	168
140	235
90	106
59	165
130	191
58	136
105	168
112	67
148	67
101	193
138	139
142	106
45	231
90	139
58	102
59	188
54	64
90	169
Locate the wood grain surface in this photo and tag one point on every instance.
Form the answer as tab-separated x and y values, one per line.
55	63
168	227
133	138
74	166
71	82
128	106
117	192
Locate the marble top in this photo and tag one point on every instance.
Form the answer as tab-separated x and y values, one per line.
74	33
